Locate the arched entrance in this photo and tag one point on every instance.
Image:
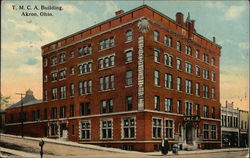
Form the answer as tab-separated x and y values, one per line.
189	133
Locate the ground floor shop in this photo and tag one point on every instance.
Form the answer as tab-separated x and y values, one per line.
244	140
140	131
230	139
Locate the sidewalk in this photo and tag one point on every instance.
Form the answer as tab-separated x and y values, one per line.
17	153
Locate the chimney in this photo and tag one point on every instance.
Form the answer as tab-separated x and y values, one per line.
119	12
180	18
193	23
214	39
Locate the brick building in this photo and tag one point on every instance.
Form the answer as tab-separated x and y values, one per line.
129	82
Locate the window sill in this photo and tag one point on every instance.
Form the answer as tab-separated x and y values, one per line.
53	99
128	138
128	41
85	94
53	81
62	79
179	91
129	86
157	62
107	90
106	68
84	139
157	86
84	55
71	96
106	138
169	66
84	73
169	88
128	62
100	50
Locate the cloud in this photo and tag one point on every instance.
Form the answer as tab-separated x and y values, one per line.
234	12
244	45
110	7
70	8
215	4
32	61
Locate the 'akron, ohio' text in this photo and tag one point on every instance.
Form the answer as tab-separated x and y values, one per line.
36	14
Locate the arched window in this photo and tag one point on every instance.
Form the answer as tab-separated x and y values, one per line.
156	36
213	61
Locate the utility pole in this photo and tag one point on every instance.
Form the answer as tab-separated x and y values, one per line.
22	114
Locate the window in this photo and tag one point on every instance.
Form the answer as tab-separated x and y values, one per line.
188	87
168	81
178	46
205	91
178	63
205	74
129	35
129	56
107	129
129	78
128	127
62	74
72	54
62	57
179	84
205	111
107	106
197	54
45	78
206	58
129	103
213	93
213	131
197	70
63	92
54	76
198	109
179	107
35	115
54	60
197	89
72	89
206	131
45	95
107	82
85	50
72	110
213	112
180	129
168	41
189	108
62	111
188	50
169	128
188	67
45	114
85	68
85	87
106	43
45	62
53	129
85	108
168	104
213	61
156	124
157	103
54	93
157	78
156	36
85	129
54	113
72	71
156	55
213	76
107	61
168	60
73	130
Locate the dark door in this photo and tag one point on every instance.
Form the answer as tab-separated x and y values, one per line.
189	134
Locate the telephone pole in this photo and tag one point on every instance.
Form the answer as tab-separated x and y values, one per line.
22	114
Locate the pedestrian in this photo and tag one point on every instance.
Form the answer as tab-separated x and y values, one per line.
175	149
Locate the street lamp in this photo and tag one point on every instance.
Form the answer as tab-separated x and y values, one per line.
21	94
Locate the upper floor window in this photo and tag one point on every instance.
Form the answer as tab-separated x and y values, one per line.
53	112
72	89
205	91
197	70
213	93
106	43
157	78
206	58
54	93
86	50
45	95
179	106
85	87
62	74
72	71
72	54
157	103
62	57
178	46
188	67
54	60
213	61
129	78
107	61
213	76
107	106
45	62
85	67
205	110
168	104
107	82
168	41
129	35
129	56
179	84
168	60
36	115
63	92
188	50
168	81
198	109
178	64
205	74
189	108
156	55
213	114
129	103
156	36
62	111
85	108
197	89
197	54
188	87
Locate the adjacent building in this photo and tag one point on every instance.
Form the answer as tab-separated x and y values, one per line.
230	125
244	128
129	82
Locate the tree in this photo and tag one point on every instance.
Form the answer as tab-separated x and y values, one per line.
5	102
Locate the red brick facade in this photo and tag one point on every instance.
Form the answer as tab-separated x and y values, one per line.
136	127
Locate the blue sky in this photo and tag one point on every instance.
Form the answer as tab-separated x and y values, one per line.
23	36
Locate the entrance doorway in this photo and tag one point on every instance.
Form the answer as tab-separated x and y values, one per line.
63	130
189	133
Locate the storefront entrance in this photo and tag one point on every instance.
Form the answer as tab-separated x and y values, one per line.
189	133
63	130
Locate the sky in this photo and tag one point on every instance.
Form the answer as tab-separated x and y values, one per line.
23	36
